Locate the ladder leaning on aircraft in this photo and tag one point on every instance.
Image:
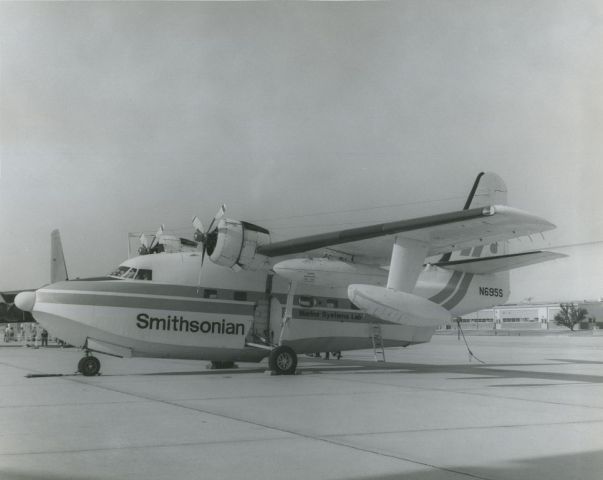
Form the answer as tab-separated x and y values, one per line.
257	298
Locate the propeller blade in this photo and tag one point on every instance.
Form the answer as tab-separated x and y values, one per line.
198	224
201	267
221	213
217	217
156	237
201	235
145	241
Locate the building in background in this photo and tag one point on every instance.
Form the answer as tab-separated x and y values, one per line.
528	316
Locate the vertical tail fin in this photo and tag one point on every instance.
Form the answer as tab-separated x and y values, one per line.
58	269
488	189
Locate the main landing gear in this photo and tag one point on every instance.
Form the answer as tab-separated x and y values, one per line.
283	360
89	365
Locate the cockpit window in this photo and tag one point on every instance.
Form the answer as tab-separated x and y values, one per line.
144	274
131	273
119	272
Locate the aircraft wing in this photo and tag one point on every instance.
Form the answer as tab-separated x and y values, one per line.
445	232
499	263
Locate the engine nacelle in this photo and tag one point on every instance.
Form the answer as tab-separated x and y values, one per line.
235	245
399	307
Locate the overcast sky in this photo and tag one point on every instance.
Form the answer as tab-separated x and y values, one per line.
117	117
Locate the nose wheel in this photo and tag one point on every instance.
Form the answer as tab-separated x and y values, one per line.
89	366
283	360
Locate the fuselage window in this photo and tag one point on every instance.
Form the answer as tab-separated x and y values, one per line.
131	273
119	272
240	296
207	293
306	302
331	303
144	274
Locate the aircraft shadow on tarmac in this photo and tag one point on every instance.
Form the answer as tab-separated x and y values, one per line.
584	465
473	371
350	367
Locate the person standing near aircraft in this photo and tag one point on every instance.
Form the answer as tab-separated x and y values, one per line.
44	337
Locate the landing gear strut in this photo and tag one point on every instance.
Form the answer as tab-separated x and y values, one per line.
88	365
283	360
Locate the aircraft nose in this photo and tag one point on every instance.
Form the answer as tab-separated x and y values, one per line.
25	301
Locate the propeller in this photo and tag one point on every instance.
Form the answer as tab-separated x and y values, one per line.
148	242
208	237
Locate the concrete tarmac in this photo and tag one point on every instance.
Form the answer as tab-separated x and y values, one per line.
533	410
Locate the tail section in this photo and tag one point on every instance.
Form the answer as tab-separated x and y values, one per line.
476	283
58	268
488	189
480	275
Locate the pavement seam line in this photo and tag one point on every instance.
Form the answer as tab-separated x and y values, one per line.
278	429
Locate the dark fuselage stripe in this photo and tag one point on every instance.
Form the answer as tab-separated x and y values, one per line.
448	289
147	302
131	287
461	292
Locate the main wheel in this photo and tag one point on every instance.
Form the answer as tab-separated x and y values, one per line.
90	366
80	364
283	360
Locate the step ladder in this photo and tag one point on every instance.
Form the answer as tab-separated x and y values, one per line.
377	340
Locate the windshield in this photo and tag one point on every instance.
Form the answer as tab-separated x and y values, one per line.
119	272
132	273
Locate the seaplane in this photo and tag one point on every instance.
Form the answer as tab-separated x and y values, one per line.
377	286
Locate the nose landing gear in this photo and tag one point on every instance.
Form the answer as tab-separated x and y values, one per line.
89	365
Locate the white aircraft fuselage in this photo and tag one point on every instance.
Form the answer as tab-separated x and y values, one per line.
216	318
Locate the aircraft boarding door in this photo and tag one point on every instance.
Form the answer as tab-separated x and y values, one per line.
276	317
261	318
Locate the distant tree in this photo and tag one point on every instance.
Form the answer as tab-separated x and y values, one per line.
570	315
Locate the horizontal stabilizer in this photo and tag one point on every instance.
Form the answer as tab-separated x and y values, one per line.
500	263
